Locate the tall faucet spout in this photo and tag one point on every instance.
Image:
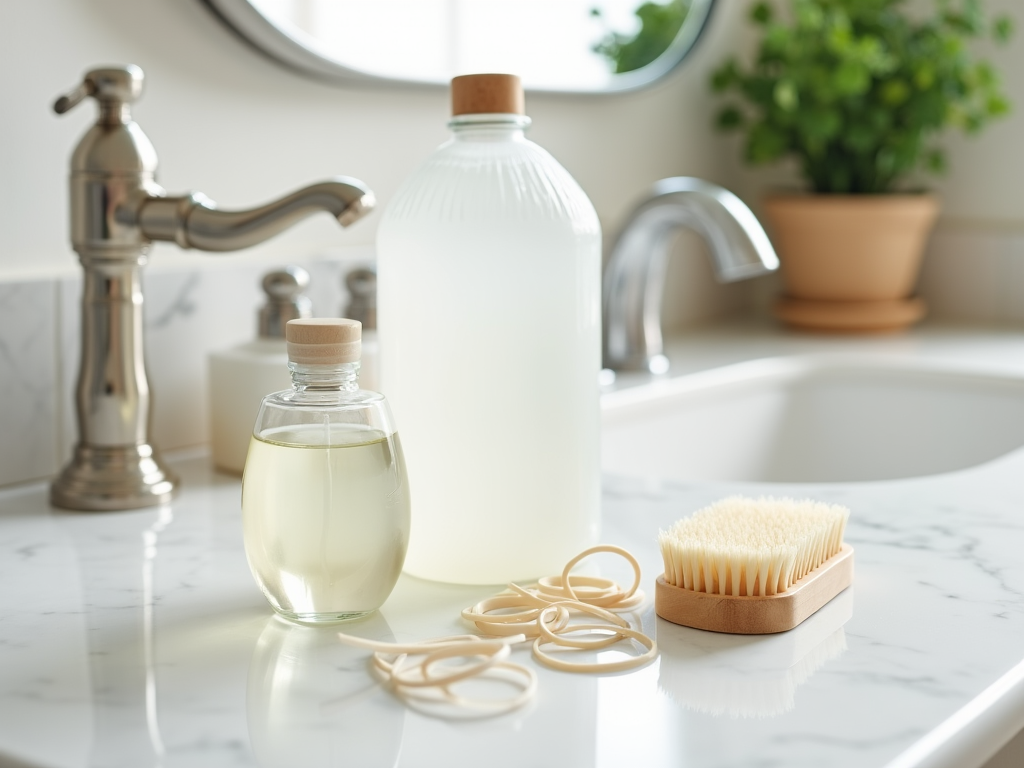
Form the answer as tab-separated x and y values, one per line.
634	277
194	221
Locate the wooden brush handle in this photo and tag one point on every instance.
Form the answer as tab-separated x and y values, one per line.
756	615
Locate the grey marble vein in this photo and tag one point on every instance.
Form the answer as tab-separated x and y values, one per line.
28	396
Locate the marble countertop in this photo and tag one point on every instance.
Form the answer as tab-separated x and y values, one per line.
140	639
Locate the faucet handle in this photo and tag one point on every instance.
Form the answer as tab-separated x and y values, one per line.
362	289
111	86
285	301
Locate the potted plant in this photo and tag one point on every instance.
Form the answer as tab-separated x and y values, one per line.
856	91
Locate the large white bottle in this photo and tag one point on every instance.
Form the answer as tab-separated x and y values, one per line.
489	319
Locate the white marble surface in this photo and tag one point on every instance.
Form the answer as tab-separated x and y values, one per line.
139	638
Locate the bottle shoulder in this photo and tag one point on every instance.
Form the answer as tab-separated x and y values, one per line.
358	412
489	182
323	399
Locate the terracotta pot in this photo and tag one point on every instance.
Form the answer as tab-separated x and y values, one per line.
853	259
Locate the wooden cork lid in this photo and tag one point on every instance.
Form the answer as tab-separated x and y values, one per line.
487	94
323	340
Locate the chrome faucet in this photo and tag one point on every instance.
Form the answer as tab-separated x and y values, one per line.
117	211
633	279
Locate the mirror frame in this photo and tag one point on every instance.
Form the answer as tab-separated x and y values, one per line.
306	57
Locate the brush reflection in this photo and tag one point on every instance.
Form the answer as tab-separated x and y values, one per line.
749	675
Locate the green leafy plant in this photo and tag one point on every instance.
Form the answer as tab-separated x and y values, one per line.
857	89
659	25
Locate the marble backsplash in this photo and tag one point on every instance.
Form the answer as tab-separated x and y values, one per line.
30	380
189	312
969	275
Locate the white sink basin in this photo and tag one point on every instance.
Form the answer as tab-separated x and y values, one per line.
808	419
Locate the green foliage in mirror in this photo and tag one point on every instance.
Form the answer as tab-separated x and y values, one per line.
857	89
659	25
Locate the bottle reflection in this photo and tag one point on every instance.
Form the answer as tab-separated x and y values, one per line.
149	550
116	556
749	675
312	702
46	716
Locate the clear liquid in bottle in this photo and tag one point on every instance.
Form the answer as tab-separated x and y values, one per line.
329	537
325	497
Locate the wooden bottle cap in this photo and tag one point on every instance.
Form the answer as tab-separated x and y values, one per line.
323	340
486	94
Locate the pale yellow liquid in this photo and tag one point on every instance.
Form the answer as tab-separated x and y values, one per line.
325	512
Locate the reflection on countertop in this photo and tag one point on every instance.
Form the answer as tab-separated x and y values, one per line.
748	675
309	695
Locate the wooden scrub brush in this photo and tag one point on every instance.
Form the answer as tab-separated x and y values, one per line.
753	566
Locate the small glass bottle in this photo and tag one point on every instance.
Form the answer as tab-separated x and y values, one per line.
325	497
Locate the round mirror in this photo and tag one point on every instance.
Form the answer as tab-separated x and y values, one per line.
569	46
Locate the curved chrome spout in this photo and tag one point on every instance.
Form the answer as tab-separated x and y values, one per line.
194	221
634	277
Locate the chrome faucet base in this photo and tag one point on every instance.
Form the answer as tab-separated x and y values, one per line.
105	479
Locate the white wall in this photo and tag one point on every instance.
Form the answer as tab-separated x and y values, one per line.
235	125
240	128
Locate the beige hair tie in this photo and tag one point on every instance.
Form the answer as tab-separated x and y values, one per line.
431	693
602	666
592	589
544	613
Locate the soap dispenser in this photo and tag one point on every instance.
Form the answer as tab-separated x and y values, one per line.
239	378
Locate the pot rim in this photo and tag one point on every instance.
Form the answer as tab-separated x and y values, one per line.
783	194
925	202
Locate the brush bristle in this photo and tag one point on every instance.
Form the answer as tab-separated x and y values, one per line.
751	547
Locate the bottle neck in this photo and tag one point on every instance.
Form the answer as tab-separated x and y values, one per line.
489	127
340	377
